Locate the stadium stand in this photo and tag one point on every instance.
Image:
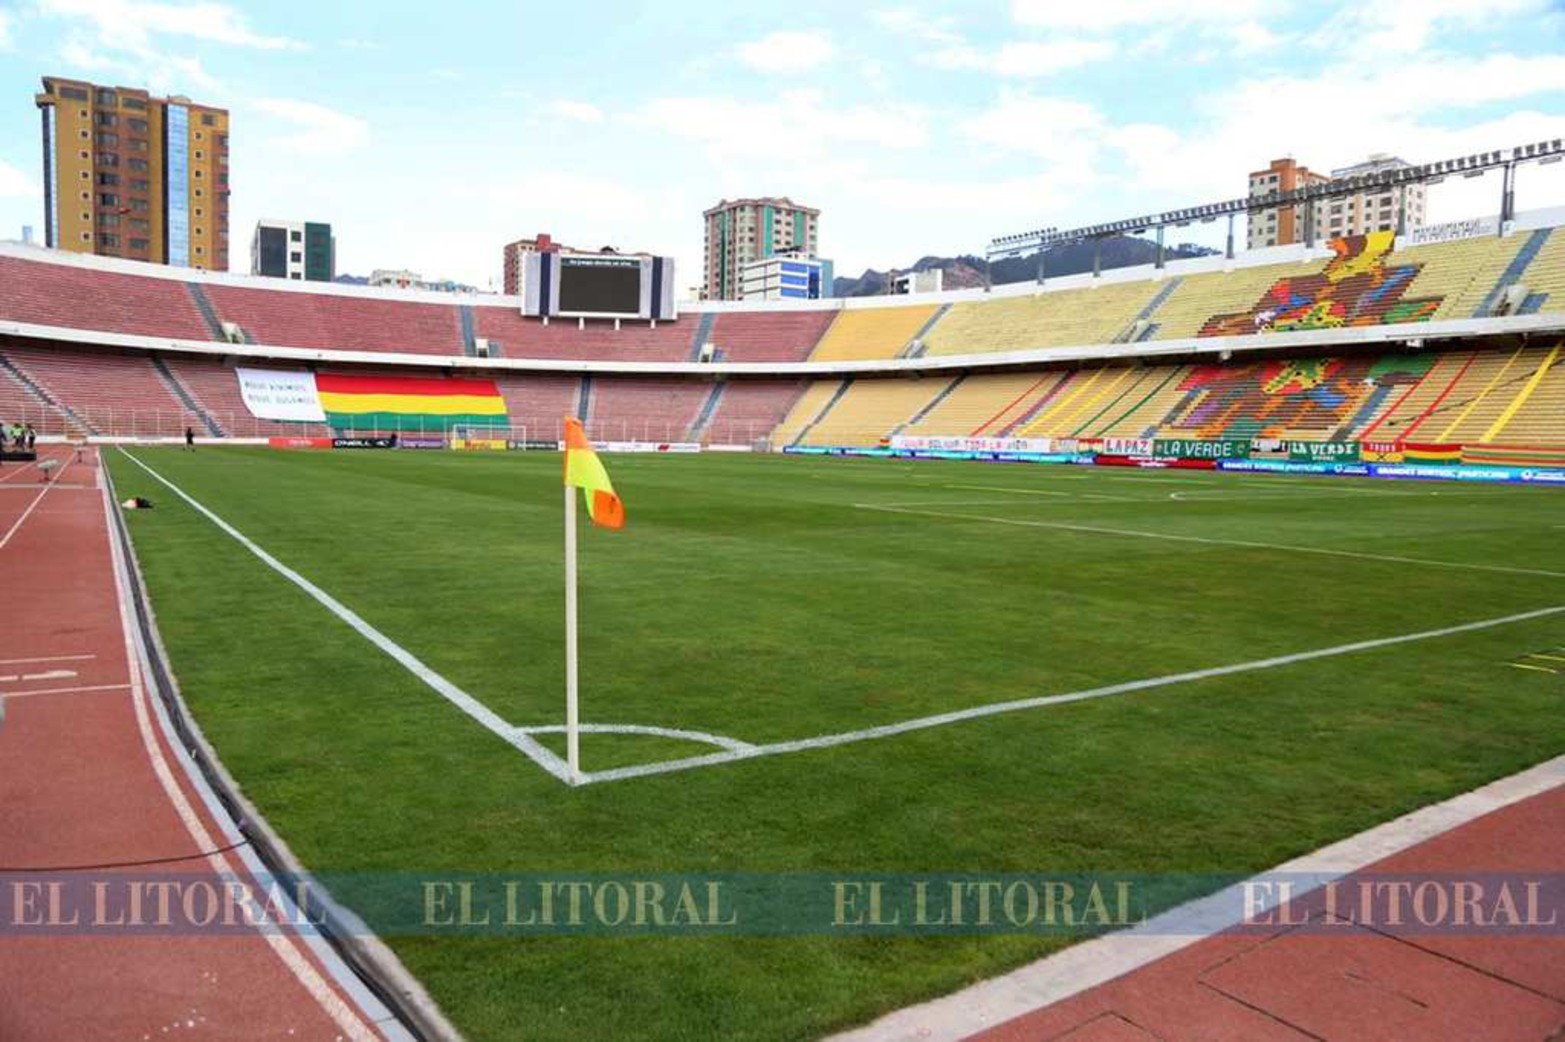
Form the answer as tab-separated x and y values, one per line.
1510	389
1054	318
971	406
77	297
215	389
874	409
1199	297
1136	414
864	333
538	402
818	397
109	393
342	323
1462	274
749	410
768	336
1545	276
634	408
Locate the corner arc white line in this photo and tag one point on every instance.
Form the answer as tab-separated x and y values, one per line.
1018	705
402	656
721	741
1212	541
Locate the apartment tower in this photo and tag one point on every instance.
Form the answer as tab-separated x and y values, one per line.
747	230
130	175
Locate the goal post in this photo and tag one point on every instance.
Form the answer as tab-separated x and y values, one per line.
483	438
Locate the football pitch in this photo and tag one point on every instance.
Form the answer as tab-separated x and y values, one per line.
798	665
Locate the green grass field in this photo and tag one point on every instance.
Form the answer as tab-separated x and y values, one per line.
756	598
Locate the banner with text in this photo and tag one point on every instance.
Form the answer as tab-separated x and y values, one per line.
276	394
1186	448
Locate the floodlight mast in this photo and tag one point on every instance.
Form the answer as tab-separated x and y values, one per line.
1474	165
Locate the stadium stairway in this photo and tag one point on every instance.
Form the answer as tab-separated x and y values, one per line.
930	406
916	346
469	333
40	396
703	334
709	407
831	403
1545	277
208	312
1130	334
180	391
584	400
1512	273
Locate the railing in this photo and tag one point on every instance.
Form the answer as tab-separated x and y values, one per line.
171	423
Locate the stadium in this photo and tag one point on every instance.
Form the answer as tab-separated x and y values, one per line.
1091	657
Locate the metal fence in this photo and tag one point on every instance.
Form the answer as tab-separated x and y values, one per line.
171	423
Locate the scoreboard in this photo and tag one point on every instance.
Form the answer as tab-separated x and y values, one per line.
590	285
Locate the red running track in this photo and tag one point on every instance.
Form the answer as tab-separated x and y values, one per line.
1350	981
87	779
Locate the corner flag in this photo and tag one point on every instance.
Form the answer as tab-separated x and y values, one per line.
584	470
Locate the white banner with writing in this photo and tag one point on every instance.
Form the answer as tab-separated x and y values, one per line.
275	394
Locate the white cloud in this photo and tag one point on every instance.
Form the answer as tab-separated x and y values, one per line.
7	22
798	125
1025	59
1103	15
314	129
132	23
904	21
15	183
787	51
157	71
579	111
354	44
1408	26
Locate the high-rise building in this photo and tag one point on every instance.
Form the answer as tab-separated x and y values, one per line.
515	254
1397	208
130	175
1282	225
786	278
1391	209
301	250
747	230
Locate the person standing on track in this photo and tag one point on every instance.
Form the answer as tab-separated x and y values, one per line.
190	439
32	439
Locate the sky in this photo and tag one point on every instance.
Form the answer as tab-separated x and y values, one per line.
429	135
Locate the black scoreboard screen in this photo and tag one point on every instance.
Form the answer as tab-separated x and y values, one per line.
600	286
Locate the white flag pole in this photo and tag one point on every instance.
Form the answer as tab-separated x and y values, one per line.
572	724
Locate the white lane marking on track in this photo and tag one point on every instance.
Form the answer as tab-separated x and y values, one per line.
345	1016
53	674
49	658
1065	526
33	506
723	741
63	690
994	709
402	656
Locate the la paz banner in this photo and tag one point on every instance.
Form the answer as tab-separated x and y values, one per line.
387	403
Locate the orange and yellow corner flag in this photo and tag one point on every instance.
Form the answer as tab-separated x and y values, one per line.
584	470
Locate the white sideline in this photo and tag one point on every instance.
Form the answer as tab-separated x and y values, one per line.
405	658
721	741
1211	541
1091	963
996	708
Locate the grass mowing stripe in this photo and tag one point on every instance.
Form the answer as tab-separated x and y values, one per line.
976	712
1249	544
453	694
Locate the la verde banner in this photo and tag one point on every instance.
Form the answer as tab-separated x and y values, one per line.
1323	451
1187	448
384	403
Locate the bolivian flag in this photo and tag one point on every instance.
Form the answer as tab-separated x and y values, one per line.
584	470
402	403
